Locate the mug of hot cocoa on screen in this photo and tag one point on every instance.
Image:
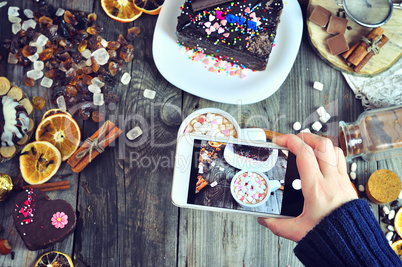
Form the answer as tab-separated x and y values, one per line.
252	188
211	122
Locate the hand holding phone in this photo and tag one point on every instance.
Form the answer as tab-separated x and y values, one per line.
325	183
239	176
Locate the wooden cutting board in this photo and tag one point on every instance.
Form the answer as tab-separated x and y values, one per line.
389	53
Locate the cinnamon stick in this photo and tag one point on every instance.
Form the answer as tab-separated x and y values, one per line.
53	186
73	160
346	54
367	58
110	137
361	50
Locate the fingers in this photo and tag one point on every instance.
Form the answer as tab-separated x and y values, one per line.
341	161
307	164
323	150
285	228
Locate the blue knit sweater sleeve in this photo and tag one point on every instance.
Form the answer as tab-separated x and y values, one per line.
349	236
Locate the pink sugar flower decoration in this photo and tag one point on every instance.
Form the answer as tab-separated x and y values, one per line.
59	219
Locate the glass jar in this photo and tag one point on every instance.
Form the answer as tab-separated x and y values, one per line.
376	135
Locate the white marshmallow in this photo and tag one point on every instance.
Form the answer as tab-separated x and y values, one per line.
321	111
318	86
325	117
297	126
316	126
353	167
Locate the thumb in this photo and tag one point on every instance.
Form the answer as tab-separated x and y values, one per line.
285	228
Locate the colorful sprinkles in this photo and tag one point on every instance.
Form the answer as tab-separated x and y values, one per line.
216	65
26	211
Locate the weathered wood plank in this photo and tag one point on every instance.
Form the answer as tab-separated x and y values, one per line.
16	73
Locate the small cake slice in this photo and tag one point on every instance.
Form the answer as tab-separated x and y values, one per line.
241	32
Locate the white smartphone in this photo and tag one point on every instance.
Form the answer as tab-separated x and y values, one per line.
239	176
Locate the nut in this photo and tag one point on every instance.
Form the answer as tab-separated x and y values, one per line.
5	247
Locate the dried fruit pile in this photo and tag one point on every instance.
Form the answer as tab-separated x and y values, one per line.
68	54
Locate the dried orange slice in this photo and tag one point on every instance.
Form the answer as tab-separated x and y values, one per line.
62	131
39	161
398	222
121	10
54	259
152	7
397	247
54	111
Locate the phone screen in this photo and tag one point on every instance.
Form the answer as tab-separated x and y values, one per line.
245	177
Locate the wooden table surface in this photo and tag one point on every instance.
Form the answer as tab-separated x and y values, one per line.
122	199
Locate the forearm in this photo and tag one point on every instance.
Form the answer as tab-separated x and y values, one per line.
349	236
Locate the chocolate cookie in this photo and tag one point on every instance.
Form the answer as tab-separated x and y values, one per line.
41	222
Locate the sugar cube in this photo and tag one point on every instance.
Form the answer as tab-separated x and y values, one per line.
98	99
134	133
149	93
60	12
12	59
101	56
35	74
13	11
28	13
3	4
46	82
39	65
86	53
97	82
61	103
41	40
352	175
15	28
14	19
93	88
28	24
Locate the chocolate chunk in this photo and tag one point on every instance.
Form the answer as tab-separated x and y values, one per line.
337	44
320	16
198	5
337	25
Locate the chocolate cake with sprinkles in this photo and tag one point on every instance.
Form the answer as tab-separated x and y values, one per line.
254	153
242	32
